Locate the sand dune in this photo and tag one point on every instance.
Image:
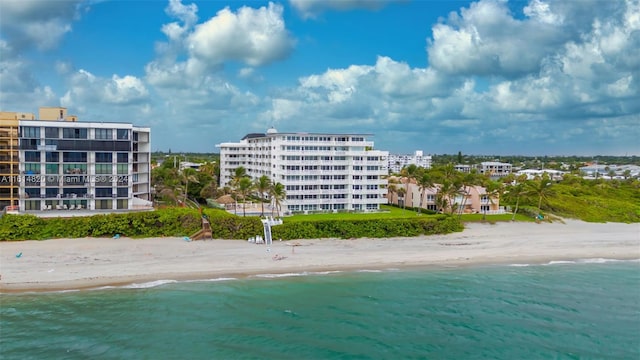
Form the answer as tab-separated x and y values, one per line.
92	262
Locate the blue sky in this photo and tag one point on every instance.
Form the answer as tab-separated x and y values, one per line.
535	77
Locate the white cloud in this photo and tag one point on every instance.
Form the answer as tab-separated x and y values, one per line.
39	23
253	36
86	89
486	39
313	8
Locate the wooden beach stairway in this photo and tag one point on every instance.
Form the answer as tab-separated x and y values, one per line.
204	233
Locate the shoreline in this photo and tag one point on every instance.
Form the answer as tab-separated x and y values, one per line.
89	263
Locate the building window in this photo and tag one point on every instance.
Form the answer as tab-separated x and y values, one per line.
51	133
32	205
31	132
74	133
32	156
31	169
122	204
51	192
123	192
103	192
104	204
52	169
123	134
104	169
52	156
32	192
74	157
74	168
123	157
104	134
104	157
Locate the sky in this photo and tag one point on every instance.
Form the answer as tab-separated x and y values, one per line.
489	77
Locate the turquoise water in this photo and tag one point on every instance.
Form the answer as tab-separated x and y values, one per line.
563	311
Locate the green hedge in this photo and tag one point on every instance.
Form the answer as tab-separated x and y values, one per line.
375	228
184	222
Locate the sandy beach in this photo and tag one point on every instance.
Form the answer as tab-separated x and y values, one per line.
61	264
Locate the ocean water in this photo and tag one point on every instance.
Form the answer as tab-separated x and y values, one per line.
560	310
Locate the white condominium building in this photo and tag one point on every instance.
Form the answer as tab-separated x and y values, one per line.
397	162
320	172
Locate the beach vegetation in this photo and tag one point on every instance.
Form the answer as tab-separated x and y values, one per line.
181	221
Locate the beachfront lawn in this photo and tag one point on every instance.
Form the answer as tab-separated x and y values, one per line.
388	212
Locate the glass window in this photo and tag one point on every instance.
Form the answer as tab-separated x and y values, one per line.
104	134
31	132
104	157
51	133
123	157
51	192
32	156
123	192
52	168
74	168
103	192
123	134
104	169
32	205
123	169
74	156
32	192
31	169
74	133
104	204
52	156
123	204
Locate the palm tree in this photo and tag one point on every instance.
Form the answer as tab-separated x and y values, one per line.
516	188
262	186
493	189
245	186
188	175
237	175
278	194
541	187
391	189
424	182
401	193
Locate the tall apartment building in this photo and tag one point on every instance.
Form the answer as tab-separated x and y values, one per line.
66	164
397	162
320	172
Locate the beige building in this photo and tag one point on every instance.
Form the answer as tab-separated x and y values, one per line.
9	158
473	200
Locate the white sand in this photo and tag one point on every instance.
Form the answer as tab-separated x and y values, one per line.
93	262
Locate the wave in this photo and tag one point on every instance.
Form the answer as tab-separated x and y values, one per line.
147	285
590	261
304	273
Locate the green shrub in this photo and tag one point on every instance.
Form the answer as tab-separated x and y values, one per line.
184	222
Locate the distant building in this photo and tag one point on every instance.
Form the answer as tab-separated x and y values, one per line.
397	162
462	168
495	169
189	165
473	199
56	163
320	172
533	173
